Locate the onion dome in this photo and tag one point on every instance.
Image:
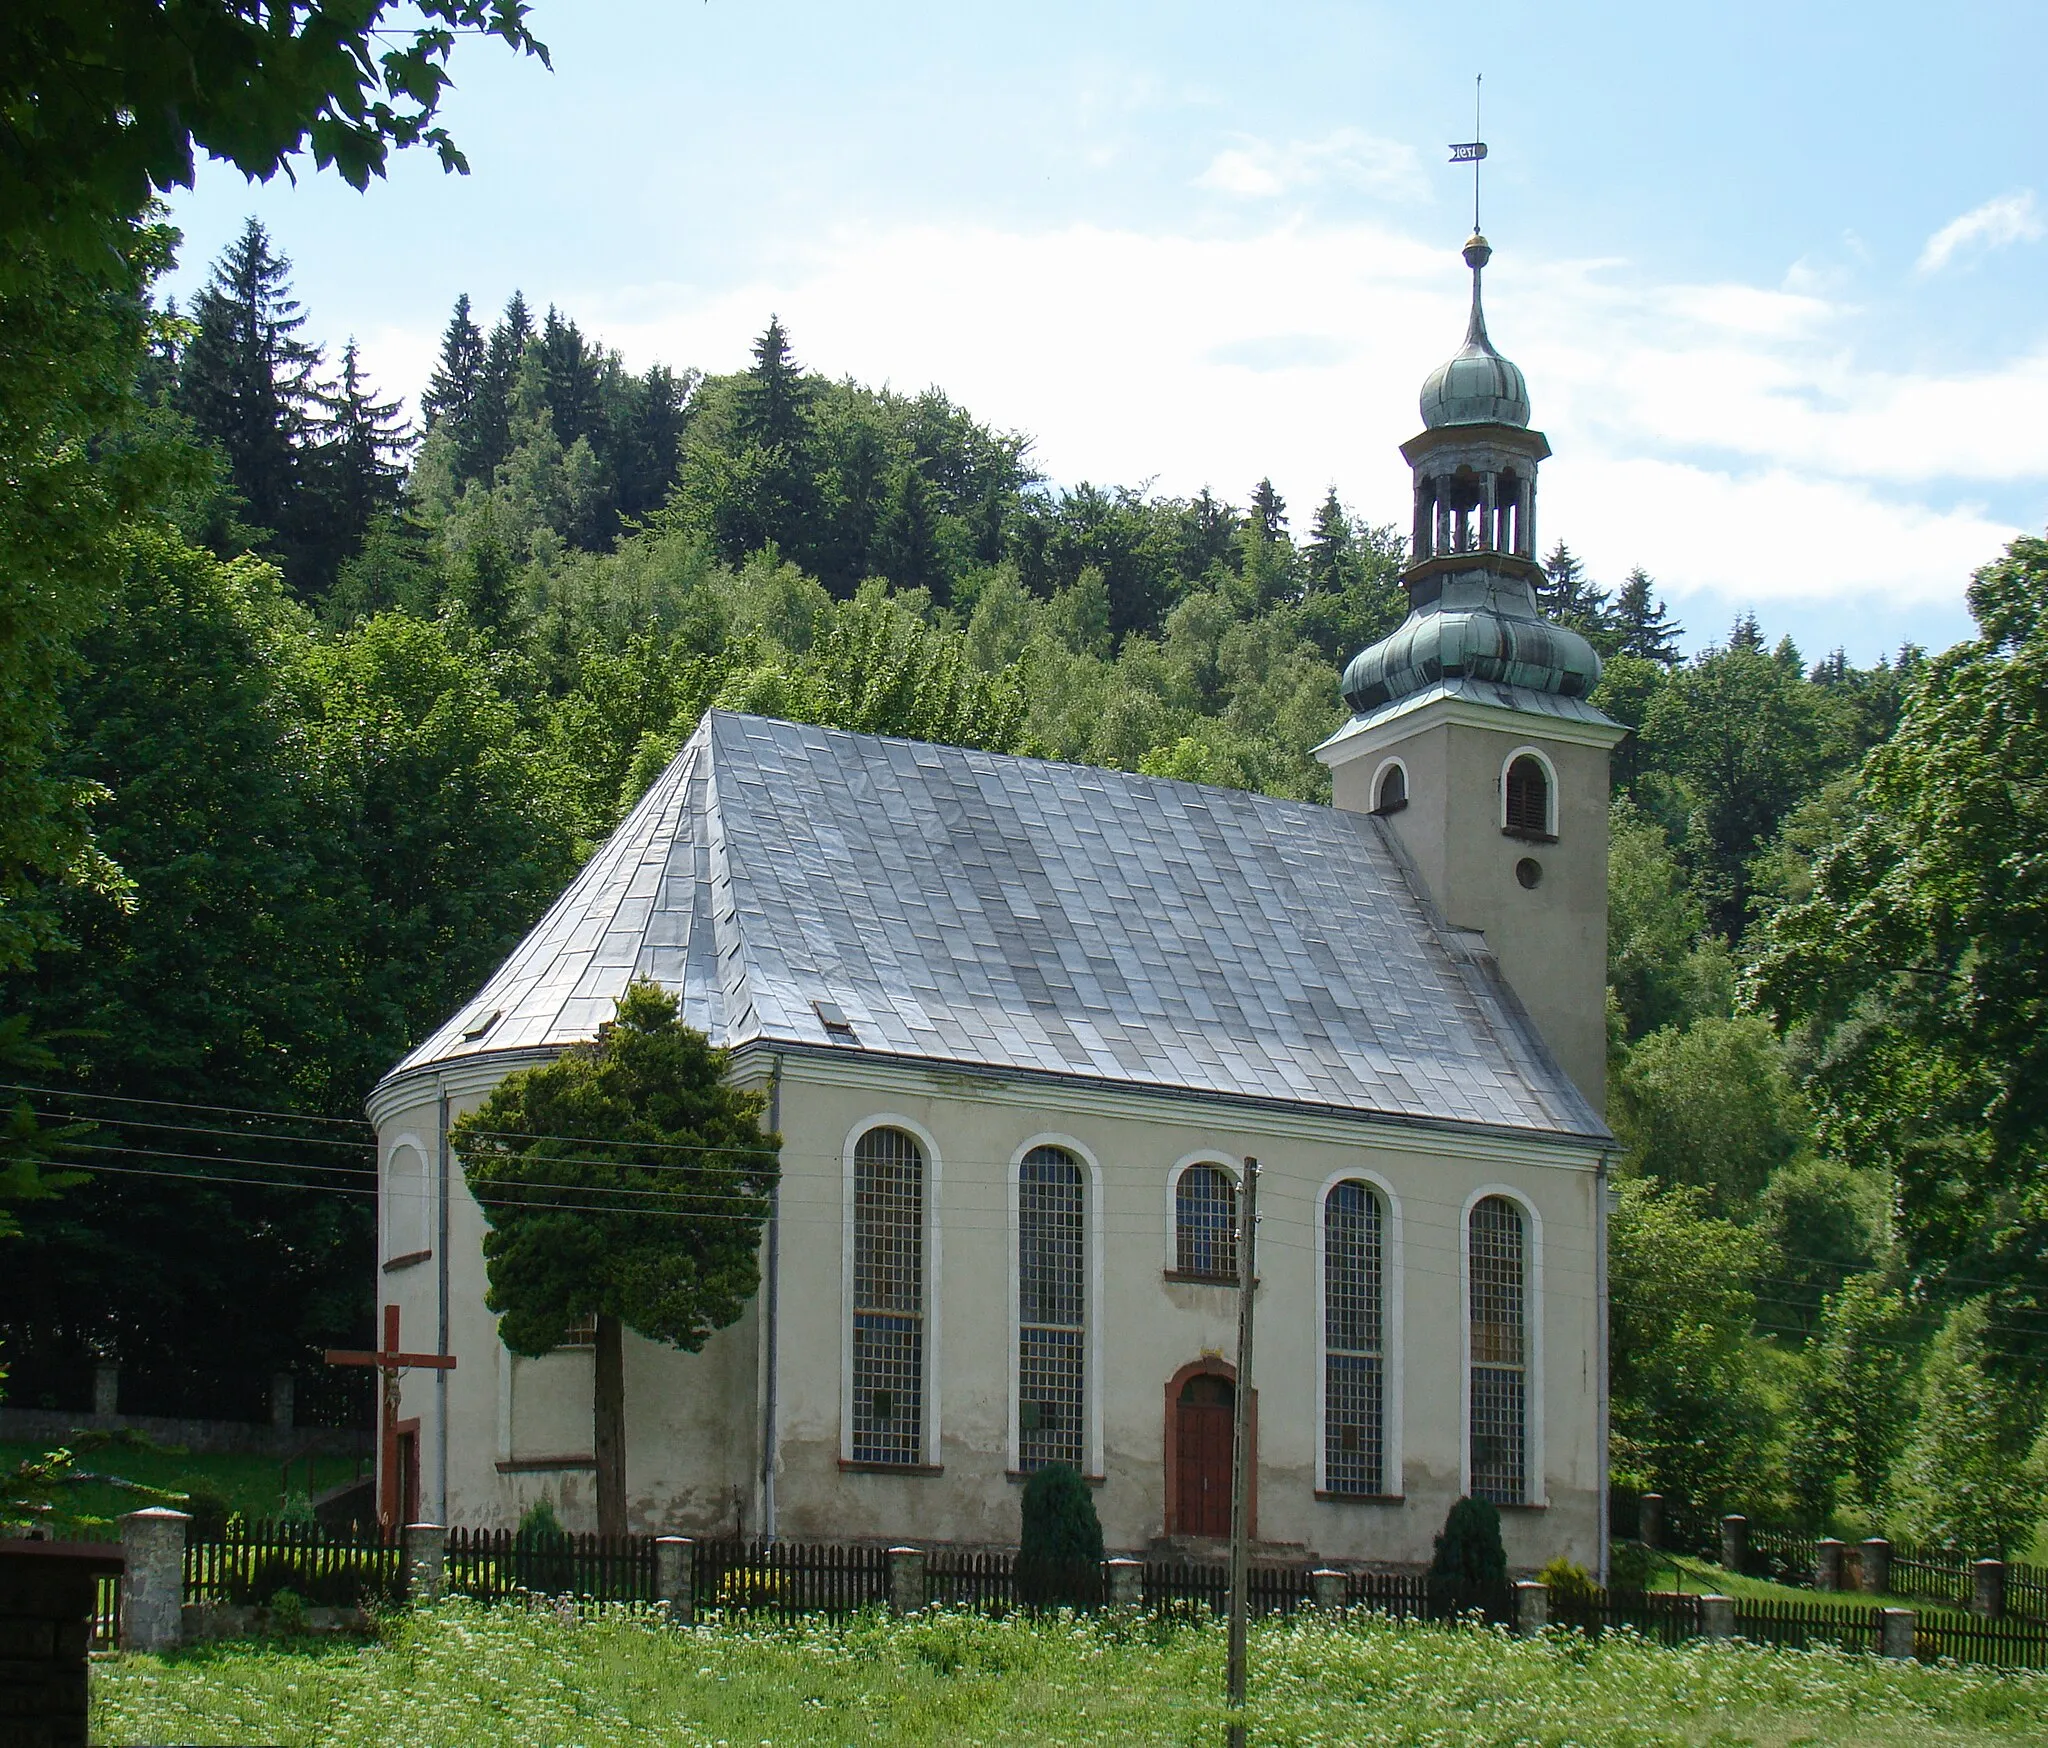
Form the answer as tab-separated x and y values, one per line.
1482	627
1477	386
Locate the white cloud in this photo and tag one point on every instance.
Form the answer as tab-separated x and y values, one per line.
1345	157
2001	221
1723	436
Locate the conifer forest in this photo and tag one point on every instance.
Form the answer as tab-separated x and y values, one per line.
324	687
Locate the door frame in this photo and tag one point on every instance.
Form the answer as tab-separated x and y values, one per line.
1213	1367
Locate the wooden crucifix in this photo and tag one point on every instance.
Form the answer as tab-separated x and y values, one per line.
390	1361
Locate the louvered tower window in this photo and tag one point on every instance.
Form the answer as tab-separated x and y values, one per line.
1499	1376
1051	1309
888	1298
1528	802
1354	1360
1205	1223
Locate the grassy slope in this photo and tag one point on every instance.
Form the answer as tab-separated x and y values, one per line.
464	1677
1703	1578
251	1485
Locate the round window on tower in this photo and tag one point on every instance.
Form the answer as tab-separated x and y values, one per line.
1529	872
1390	794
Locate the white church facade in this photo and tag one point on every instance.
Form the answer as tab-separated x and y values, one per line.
1020	1024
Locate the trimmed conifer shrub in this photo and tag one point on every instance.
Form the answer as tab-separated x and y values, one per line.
1468	1549
1059	1556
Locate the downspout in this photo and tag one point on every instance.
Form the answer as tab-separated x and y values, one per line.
1601	1337
441	1319
771	1296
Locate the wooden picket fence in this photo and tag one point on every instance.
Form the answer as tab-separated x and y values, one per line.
251	1562
788	1579
489	1564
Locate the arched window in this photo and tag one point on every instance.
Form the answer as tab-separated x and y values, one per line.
407	1227
1393	793
888	1298
1205	1224
1499	1382
1354	1325
1051	1309
1528	796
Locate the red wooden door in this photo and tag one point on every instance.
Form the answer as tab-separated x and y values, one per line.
1202	1458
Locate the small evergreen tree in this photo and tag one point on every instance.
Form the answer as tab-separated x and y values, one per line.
1468	1548
357	469
1569	596
1642	624
1059	1556
1269	511
771	407
1328	553
452	389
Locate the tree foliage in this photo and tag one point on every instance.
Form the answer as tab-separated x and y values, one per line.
627	1180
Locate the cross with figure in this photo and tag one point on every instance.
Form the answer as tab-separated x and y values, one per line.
390	1361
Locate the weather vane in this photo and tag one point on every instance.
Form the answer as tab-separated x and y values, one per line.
1473	150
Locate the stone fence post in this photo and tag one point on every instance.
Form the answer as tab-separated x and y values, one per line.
1827	1563
1896	1629
675	1577
1988	1594
1532	1608
153	1581
1123	1583
906	1581
1329	1587
1650	1520
1877	1566
1717	1617
1735	1542
426	1562
283	1394
106	1388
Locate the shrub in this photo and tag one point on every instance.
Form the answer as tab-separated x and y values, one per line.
210	1510
287	1613
1568	1581
1059	1557
1468	1550
539	1520
1631	1565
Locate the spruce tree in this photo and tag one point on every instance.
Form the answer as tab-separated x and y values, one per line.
247	384
486	438
1329	547
907	549
1269	511
358	468
1642	623
1745	633
771	407
1569	596
569	374
453	386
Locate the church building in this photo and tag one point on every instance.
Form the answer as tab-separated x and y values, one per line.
1020	1024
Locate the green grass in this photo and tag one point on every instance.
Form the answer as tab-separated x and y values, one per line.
251	1485
461	1676
1704	1578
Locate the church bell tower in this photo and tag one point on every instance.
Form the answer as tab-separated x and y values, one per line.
1471	736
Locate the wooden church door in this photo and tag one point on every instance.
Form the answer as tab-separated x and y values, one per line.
1202	1431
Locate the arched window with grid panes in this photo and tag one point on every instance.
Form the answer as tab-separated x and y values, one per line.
1052	1309
1354	1353
1205	1224
1498	1383
888	1298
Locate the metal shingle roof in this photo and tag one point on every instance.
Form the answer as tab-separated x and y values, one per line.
1012	913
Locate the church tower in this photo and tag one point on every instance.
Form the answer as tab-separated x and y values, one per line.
1471	736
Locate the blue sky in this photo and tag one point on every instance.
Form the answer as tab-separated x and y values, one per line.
1773	270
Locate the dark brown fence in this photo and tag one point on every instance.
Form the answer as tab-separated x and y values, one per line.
1804	1626
790	1578
251	1563
488	1564
1660	1615
106	1612
955	1578
2008	1644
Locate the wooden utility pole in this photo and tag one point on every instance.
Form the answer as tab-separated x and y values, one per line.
1241	1442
